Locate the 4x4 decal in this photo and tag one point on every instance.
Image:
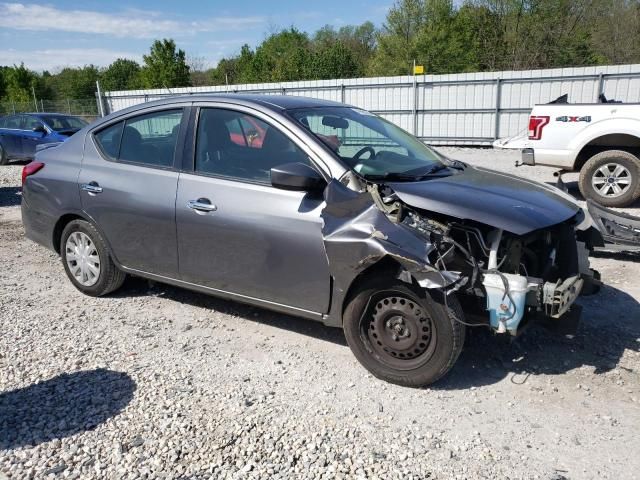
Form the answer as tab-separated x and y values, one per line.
571	119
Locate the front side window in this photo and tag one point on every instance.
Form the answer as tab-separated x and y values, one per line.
240	146
368	144
148	139
29	123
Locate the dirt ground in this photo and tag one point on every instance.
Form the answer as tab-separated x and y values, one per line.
159	382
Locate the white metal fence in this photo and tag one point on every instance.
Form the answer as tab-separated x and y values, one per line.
457	109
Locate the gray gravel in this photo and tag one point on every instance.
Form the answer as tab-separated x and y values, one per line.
158	382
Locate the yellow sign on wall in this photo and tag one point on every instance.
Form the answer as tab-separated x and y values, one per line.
418	69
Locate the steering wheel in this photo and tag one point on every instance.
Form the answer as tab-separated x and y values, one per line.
362	151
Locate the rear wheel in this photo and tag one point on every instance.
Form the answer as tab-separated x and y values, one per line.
611	178
87	261
402	334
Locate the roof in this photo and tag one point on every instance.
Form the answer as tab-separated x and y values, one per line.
273	102
270	102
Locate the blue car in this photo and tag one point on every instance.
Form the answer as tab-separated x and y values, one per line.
21	134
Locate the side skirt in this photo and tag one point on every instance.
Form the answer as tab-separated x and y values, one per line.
277	307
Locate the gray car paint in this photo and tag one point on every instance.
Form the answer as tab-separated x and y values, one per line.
260	241
138	219
135	210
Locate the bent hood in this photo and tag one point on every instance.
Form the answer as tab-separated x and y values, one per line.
502	201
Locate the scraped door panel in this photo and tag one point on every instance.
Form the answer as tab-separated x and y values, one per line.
256	241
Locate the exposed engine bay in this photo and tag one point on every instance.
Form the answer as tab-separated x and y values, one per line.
509	278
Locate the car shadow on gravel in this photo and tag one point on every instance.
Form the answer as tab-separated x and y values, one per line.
62	406
134	287
610	325
10	196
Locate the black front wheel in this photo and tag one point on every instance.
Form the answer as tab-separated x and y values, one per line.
403	334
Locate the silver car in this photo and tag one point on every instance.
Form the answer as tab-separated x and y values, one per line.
315	209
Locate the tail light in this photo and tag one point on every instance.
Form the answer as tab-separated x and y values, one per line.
536	124
30	169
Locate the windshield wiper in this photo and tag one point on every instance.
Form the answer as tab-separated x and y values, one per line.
407	176
391	176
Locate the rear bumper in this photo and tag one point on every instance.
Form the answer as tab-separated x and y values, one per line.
37	226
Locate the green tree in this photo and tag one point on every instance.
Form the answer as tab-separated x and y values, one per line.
165	66
19	82
615	31
74	82
334	61
282	57
122	74
397	41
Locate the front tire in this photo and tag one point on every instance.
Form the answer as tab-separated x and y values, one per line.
87	261
611	178
403	334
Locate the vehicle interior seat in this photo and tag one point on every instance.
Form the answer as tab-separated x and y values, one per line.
215	148
133	148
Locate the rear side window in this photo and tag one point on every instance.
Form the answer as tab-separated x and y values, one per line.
12	122
109	140
148	139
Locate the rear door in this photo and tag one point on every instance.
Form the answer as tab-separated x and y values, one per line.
128	186
237	233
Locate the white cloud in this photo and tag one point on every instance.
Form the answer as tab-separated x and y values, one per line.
132	23
53	60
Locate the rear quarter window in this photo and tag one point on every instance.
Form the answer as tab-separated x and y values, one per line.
109	139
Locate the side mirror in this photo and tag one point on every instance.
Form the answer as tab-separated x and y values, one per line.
297	176
39	129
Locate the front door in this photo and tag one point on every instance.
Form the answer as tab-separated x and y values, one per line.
238	234
30	138
128	186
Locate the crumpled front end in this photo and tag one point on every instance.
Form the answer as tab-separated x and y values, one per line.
508	278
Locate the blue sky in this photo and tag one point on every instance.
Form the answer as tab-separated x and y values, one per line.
47	36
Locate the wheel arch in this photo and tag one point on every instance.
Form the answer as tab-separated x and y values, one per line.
609	141
65	219
385	266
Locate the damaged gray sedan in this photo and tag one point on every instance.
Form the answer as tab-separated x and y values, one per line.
315	209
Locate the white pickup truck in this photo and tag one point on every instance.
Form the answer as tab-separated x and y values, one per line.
601	141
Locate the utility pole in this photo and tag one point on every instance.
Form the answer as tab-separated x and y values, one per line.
100	105
35	101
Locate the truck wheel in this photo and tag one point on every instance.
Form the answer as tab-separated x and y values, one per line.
4	160
401	334
611	178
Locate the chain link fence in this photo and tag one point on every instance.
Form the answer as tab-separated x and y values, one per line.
86	108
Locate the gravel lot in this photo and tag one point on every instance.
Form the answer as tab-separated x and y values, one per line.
158	382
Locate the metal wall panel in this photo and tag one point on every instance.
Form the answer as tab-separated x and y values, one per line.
455	109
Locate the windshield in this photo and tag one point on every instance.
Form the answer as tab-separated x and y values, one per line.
61	122
368	144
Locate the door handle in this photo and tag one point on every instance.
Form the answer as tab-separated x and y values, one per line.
201	205
92	187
